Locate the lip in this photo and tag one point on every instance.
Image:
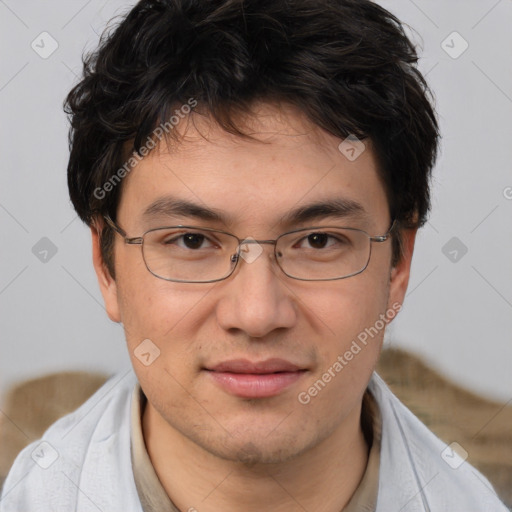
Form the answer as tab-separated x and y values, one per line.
263	379
245	366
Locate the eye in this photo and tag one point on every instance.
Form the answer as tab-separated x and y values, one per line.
319	240
189	241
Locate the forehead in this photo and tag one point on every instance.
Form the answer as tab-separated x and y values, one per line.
290	163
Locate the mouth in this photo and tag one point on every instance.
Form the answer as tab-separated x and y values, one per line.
246	379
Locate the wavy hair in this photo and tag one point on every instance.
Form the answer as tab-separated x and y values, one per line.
348	65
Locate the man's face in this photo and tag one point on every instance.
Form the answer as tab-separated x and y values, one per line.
258	313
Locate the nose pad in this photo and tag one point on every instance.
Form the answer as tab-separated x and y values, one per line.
250	250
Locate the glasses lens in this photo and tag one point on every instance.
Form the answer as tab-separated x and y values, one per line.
202	255
323	253
189	254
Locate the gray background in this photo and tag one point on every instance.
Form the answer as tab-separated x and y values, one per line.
457	314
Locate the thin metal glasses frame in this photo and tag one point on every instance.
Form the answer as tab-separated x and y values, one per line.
235	258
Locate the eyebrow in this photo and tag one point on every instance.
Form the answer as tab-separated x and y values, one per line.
181	208
340	208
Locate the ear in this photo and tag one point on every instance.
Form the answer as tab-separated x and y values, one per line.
107	283
400	273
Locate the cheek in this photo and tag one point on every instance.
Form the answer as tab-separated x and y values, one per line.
168	314
153	319
350	331
149	305
346	307
348	344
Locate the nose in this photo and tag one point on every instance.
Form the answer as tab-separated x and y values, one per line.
255	298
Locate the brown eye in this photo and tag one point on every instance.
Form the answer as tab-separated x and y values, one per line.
318	240
193	240
188	240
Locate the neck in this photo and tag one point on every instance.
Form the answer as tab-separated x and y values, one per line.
322	479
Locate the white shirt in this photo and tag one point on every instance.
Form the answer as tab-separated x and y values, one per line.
83	462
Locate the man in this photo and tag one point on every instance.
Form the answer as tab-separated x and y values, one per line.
254	174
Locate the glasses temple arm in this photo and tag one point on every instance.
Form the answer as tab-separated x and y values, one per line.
114	226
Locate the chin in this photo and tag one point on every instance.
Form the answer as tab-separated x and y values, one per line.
252	449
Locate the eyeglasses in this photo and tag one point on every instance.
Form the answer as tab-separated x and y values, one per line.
192	254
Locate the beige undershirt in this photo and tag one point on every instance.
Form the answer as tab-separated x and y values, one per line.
153	497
